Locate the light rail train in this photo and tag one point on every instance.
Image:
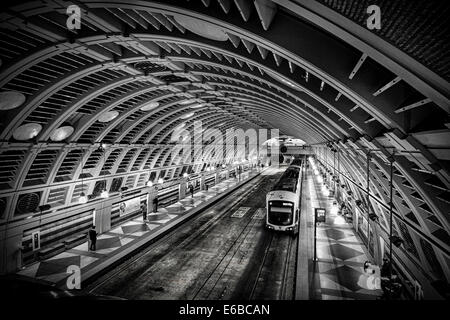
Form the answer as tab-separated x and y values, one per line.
283	201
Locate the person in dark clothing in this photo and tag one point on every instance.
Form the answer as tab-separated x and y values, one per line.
191	190
92	238
144	210
385	268
155	204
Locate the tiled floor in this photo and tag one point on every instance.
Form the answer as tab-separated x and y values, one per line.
115	240
339	273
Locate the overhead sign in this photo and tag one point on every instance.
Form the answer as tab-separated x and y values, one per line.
320	214
129	206
36	240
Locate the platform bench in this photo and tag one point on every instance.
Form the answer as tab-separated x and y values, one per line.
75	241
51	251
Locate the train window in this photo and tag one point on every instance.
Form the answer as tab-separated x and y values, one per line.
280	209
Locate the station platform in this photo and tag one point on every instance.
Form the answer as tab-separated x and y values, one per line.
338	272
118	243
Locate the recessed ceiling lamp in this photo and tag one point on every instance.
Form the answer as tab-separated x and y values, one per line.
27	131
11	100
196	106
187	116
61	133
176	131
181	125
150	106
202	28
185	102
108	116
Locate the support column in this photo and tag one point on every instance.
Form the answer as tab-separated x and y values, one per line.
151	195
102	216
202	181
391	176
182	189
216	177
368	201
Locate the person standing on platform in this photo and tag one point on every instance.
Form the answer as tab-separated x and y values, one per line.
92	238
144	210
155	204
191	190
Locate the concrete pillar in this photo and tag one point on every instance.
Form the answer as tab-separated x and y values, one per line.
151	195
182	189
216	177
101	216
202	181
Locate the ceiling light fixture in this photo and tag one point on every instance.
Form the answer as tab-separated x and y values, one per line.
196	106
187	116
150	106
108	116
185	102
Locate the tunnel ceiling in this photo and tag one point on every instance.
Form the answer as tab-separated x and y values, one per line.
138	69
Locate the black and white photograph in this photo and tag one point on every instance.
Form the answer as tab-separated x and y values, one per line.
225	158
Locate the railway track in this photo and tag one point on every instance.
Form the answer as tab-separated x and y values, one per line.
249	249
204	223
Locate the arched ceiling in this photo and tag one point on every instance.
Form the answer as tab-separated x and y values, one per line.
309	68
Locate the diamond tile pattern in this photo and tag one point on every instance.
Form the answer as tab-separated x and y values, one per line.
343	252
115	240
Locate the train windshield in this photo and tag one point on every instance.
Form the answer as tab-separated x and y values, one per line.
288	181
280	212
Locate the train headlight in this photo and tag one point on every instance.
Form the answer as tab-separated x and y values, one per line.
287	204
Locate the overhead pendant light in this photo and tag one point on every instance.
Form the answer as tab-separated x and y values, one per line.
83	198
104	194
160	180
149	183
